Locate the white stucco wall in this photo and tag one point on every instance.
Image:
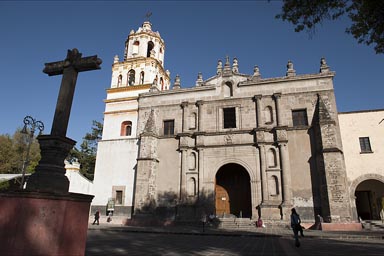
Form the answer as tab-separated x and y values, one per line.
363	124
77	182
115	163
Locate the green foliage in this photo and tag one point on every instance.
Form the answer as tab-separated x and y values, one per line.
367	17
13	153
86	155
4	185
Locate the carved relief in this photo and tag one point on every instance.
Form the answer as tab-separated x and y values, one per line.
228	139
260	136
281	135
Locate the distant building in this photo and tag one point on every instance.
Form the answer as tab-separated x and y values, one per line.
234	144
77	182
363	143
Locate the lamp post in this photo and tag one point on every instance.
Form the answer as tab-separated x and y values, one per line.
30	124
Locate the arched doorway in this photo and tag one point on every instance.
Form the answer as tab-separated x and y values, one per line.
233	191
369	199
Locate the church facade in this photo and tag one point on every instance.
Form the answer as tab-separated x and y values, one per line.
234	144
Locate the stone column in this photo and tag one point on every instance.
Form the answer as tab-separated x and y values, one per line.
200	170
263	173
257	100
184	167
286	173
184	106
277	97
199	105
254	198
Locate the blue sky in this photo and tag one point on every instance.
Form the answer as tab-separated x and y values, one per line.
196	34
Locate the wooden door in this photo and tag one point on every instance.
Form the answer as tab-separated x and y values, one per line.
222	201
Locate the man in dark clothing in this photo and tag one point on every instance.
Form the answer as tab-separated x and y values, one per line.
296	226
97	217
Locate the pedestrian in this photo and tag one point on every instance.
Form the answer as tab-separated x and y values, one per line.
204	220
97	217
296	226
259	223
382	214
109	219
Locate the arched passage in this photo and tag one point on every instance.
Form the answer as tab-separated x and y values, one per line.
233	191
369	196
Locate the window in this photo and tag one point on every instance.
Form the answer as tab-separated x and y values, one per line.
119	197
229	118
135	49
119	79
131	77
126	128
299	117
149	49
365	145
162	83
142	77
169	126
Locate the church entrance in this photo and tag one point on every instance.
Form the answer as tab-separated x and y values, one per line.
233	192
369	199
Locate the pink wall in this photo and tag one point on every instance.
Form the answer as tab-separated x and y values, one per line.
33	223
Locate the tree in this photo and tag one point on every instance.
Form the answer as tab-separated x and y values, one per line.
367	17
13	152
86	155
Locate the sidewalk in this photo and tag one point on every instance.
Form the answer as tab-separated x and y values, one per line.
257	232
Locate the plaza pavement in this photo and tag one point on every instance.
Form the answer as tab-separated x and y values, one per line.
115	239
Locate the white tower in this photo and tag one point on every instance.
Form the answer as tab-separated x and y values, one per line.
141	70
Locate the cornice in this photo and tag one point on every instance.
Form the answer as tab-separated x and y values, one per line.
120	99
129	88
120	111
287	79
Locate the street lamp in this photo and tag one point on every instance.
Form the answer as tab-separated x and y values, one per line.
31	124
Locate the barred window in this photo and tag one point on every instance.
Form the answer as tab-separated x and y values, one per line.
365	145
229	118
169	126
299	117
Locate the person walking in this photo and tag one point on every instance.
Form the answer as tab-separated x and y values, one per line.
296	226
97	217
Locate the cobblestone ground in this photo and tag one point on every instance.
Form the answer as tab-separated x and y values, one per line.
108	242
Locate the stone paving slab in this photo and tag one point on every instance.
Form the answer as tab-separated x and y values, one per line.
125	240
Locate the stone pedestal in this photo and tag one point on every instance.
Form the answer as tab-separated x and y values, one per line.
49	175
270	211
38	223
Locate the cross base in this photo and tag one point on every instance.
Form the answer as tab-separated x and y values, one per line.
49	175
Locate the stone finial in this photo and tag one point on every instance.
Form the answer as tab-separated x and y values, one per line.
132	32
168	72
199	80
235	66
324	68
227	67
116	59
290	70
256	73
219	67
177	84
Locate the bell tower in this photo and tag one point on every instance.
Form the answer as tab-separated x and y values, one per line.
140	70
143	62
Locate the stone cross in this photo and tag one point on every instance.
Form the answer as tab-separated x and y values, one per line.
69	68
